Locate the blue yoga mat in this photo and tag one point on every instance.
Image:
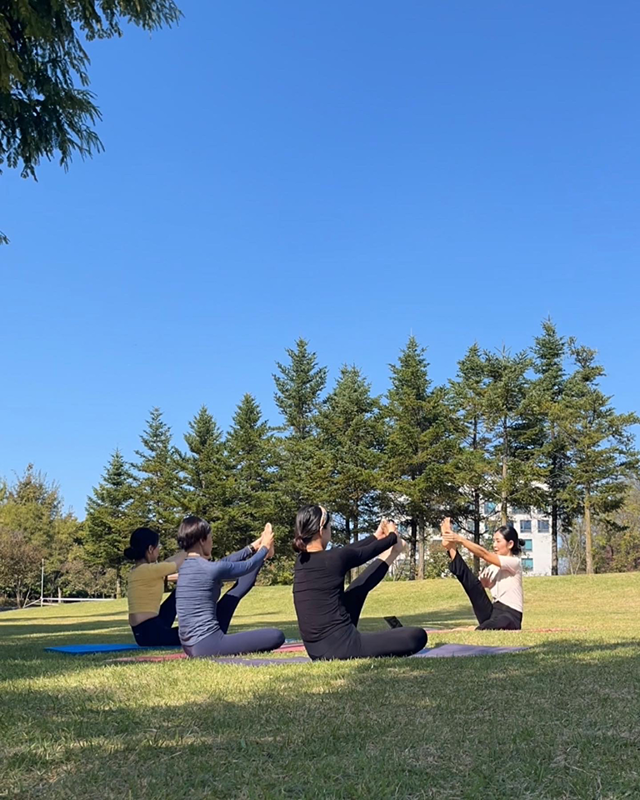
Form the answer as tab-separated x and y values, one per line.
85	649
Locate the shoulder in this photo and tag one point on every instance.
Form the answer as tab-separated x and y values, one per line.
510	563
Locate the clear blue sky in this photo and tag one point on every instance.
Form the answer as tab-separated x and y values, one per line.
347	172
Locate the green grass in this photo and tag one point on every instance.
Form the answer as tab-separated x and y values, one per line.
561	720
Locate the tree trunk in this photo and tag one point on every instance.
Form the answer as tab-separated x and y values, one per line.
504	515
59	595
413	548
347	531
476	528
118	585
421	554
588	544
554	538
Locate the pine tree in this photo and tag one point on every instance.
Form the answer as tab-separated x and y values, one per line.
469	397
422	446
47	109
205	477
250	451
514	433
601	446
546	398
111	518
157	491
351	439
299	387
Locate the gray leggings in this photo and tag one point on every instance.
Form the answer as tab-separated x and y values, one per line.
234	644
220	643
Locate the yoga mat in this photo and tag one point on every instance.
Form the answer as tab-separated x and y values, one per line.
454	650
85	649
443	651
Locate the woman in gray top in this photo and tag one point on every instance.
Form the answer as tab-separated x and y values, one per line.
204	618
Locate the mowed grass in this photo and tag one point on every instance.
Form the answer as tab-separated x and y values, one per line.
561	720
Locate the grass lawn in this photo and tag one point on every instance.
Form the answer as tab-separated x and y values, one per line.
561	720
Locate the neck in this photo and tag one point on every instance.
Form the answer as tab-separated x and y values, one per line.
315	546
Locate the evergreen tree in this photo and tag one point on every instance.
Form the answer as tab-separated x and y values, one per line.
250	451
546	398
514	433
422	447
299	386
45	106
157	491
111	518
206	477
351	440
602	453
469	397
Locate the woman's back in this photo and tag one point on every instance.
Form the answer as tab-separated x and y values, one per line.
197	596
318	592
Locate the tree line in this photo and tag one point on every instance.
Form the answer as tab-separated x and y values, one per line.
525	429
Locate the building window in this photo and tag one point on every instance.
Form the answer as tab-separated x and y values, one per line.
543	526
519	511
528	545
489	509
527	564
525	526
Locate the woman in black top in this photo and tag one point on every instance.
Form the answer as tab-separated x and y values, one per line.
327	614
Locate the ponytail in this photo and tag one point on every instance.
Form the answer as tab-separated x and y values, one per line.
310	521
141	540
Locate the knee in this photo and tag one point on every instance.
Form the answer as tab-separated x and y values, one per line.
278	638
418	639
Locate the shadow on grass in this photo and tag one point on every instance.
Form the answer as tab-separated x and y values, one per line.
563	711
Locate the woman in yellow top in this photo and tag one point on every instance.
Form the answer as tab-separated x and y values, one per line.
151	620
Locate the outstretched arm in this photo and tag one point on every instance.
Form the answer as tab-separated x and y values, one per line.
240	555
449	537
358	553
230	570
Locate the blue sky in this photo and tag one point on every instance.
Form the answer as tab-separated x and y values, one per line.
347	172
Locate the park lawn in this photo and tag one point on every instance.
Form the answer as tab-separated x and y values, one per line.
561	720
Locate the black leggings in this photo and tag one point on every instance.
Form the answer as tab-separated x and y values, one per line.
220	643
348	642
158	631
491	616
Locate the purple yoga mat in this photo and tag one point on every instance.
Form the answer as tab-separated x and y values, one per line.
443	651
453	650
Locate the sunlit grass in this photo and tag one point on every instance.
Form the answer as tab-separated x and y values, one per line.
557	721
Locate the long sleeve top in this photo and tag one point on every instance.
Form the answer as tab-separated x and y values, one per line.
318	585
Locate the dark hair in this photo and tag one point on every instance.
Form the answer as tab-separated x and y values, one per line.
191	531
308	524
141	540
510	534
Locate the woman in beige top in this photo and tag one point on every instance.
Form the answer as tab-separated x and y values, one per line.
502	576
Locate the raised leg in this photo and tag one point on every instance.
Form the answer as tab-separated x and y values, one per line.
167	611
482	605
358	589
229	602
